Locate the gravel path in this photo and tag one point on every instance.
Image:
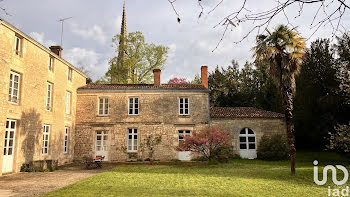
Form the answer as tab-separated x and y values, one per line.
38	183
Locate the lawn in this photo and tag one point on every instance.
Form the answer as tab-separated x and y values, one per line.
236	178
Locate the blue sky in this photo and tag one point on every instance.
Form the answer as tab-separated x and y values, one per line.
88	35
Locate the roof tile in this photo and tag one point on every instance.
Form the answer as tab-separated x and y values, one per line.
242	112
143	86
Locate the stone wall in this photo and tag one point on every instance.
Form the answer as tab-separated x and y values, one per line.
159	115
260	126
30	113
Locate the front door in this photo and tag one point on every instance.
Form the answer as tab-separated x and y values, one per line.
101	144
247	144
183	155
9	145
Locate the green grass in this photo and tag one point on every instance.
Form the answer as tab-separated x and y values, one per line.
237	178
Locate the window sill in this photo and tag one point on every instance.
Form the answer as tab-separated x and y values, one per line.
101	115
13	103
133	114
184	116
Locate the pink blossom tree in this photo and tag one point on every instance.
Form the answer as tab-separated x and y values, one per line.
176	80
207	142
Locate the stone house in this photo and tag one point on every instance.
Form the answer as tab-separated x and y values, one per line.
49	113
37	101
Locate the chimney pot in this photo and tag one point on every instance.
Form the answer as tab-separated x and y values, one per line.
156	74
204	76
57	50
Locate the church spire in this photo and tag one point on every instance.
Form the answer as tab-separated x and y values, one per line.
123	27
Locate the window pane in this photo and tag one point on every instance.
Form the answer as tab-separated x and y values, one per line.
130	130
250	131
136	111
180	132
243	146
9	151
252	146
130	137
131	101
186	111
181	111
136	100
135	137
188	132
242	131
242	139
251	139
135	130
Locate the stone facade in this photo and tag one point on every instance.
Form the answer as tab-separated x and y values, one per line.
158	110
158	116
260	126
30	111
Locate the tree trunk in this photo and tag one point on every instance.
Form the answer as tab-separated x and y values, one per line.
287	93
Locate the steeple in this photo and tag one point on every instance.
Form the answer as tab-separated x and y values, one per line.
123	27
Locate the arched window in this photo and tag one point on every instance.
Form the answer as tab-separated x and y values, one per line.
247	139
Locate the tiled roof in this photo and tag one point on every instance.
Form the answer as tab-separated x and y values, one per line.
242	112
143	87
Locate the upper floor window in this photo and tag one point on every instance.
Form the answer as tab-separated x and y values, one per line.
68	102
18	45
184	106
133	106
14	87
103	106
46	135
51	63
70	73
66	142
132	140
49	96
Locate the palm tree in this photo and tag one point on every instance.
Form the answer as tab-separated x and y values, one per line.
284	50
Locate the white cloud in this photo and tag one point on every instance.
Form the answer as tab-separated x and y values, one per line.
88	59
91	33
40	37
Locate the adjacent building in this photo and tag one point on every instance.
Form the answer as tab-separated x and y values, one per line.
37	101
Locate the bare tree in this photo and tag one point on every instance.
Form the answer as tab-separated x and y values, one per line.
328	12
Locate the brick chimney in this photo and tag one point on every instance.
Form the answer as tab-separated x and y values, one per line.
204	76
156	74
57	50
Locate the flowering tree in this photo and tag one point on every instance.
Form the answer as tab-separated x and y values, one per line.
207	142
176	80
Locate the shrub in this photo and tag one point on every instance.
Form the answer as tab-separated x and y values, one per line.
340	140
273	148
210	143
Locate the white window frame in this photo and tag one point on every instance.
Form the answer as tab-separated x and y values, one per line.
182	106
70	74
102	142
182	133
9	149
66	140
133	142
18	46
46	138
105	106
49	90
246	135
133	107
68	102
51	63
12	88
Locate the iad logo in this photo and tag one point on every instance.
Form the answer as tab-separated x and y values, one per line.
332	192
334	174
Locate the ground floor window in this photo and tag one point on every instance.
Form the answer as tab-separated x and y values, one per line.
182	134
132	140
9	137
247	139
46	135
66	139
101	140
